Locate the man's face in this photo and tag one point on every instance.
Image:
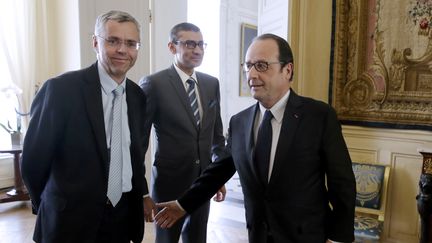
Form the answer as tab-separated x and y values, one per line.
185	57
117	58
267	86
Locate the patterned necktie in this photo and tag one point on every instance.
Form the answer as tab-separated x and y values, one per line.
193	100
263	147
116	164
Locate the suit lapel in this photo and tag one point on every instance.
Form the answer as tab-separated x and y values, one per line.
204	99
93	101
292	116
250	143
177	83
133	106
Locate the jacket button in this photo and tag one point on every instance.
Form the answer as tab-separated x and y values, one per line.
197	161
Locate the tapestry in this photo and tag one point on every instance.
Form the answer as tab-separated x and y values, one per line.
381	63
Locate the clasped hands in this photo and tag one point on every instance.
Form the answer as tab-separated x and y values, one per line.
165	218
168	213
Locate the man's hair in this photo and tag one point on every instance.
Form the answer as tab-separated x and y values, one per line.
182	27
285	52
115	15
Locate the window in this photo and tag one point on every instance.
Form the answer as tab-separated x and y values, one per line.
8	99
9	92
199	12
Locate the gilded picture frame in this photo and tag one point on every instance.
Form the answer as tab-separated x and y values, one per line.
381	63
248	32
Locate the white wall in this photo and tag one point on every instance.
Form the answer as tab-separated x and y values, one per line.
166	14
89	10
71	37
233	14
68	42
6	172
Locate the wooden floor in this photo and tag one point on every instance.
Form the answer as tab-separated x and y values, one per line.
226	223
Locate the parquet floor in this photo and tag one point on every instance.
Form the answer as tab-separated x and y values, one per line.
226	223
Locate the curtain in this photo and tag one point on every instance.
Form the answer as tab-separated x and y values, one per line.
24	40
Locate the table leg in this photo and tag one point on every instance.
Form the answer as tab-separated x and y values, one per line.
19	192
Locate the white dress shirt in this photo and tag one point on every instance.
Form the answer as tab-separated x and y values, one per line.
277	110
184	77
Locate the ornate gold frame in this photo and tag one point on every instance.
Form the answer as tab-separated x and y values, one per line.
380	78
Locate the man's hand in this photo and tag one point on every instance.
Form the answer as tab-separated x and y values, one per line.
149	207
169	214
220	195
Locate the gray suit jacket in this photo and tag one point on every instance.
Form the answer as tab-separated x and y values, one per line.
183	150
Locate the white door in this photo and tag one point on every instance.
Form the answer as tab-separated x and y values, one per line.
273	17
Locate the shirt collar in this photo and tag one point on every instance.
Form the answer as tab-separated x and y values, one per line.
277	109
108	84
183	76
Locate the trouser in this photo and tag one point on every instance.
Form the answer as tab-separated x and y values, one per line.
114	226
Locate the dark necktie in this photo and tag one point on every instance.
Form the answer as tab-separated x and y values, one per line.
114	191
193	100
263	147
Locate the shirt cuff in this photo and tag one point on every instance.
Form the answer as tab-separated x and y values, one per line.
178	204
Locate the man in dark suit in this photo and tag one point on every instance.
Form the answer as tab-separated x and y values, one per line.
66	163
183	106
307	191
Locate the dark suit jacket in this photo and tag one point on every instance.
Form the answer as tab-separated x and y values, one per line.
65	158
294	205
183	150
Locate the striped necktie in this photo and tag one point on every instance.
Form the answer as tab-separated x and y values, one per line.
114	192
193	100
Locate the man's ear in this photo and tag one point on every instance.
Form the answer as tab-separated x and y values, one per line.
172	47
95	43
289	68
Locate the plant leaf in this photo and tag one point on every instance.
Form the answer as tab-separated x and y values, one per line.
5	128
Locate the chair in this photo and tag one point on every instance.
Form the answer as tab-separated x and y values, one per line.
372	184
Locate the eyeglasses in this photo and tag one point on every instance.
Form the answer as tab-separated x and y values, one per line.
116	42
190	44
260	66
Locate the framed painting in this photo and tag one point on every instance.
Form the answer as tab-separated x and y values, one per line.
381	63
248	32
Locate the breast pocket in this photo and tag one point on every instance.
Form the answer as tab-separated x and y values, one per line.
212	104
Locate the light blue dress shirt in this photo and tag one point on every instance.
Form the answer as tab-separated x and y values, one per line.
108	85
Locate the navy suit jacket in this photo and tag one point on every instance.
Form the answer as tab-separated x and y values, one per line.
312	168
65	158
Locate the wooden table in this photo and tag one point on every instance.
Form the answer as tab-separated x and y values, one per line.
18	192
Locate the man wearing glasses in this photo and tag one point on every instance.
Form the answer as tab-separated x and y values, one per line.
183	106
290	155
83	156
